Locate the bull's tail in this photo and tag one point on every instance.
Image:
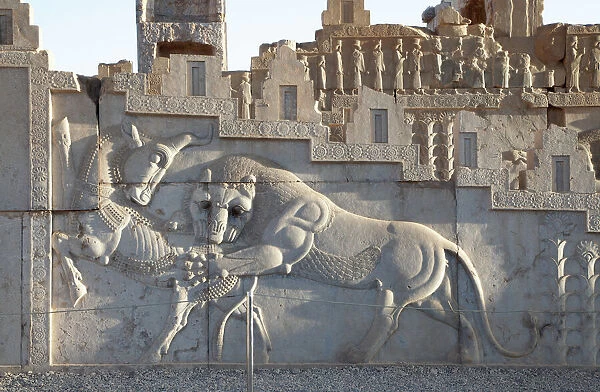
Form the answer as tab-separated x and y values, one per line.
531	322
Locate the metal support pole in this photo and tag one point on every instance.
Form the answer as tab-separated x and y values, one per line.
250	341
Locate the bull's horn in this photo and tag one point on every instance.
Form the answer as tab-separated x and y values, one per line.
189	139
132	134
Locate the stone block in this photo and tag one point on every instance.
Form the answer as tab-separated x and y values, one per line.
108	70
19	33
14	155
11	287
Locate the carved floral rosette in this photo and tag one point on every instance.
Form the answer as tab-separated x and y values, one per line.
272	129
451	101
341	152
563	100
191	106
468	177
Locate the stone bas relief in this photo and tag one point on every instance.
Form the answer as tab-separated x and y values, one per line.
294	236
391	194
404	262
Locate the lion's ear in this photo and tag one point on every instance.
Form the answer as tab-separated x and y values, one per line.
248	186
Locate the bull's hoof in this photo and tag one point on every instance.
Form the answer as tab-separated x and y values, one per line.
354	355
150	357
77	291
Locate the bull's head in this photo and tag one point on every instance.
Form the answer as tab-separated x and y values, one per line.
220	210
146	164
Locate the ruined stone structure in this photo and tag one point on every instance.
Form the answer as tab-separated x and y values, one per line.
390	193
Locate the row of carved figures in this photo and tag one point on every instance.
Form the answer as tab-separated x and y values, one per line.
447	68
574	59
455	69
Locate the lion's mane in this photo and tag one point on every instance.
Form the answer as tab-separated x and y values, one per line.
275	187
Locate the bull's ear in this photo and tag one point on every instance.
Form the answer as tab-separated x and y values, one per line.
249	179
206	176
131	133
248	185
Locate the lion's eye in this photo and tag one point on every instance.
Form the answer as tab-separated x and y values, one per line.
237	211
204	205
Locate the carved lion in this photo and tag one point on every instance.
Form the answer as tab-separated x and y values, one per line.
292	229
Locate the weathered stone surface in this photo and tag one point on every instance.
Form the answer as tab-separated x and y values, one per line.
11	287
388	193
14	82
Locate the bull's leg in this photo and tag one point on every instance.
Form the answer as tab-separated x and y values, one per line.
439	307
384	325
61	245
218	340
239	312
262	329
176	321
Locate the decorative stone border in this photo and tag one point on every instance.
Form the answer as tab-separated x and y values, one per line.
564	100
583	29
535	100
451	101
477	178
271	129
37	260
128	83
187	106
341	152
544	201
36	284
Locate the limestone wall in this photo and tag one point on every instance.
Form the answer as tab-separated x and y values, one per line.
388	194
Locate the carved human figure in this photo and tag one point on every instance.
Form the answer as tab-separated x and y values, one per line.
503	69
399	64
574	56
379	66
550	81
481	55
516	163
478	74
321	98
437	61
358	67
596	63
525	69
322	73
414	65
458	57
339	69
245	91
304	61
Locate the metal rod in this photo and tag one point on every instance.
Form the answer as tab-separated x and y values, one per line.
250	341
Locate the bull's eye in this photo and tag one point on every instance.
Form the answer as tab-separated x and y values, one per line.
159	158
155	158
204	205
237	211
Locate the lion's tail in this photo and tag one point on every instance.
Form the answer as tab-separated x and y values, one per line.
530	321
